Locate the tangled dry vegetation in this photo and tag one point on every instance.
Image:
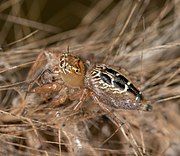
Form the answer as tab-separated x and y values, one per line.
141	36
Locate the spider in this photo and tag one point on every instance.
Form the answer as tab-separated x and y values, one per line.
63	76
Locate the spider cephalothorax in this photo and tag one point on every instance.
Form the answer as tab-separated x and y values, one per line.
72	70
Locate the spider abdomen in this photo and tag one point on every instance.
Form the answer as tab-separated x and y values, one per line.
113	88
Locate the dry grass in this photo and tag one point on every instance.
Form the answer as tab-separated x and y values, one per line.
141	36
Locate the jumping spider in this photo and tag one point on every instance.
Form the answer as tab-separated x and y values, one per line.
63	76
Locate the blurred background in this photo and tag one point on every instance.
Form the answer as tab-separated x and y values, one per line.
142	36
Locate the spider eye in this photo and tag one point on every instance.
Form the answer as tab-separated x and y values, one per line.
77	70
62	63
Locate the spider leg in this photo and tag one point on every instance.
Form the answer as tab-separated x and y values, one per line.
34	80
60	98
47	88
113	117
82	99
120	125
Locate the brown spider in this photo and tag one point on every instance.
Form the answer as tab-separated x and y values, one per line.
63	76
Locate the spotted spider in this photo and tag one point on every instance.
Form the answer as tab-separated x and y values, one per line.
63	76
